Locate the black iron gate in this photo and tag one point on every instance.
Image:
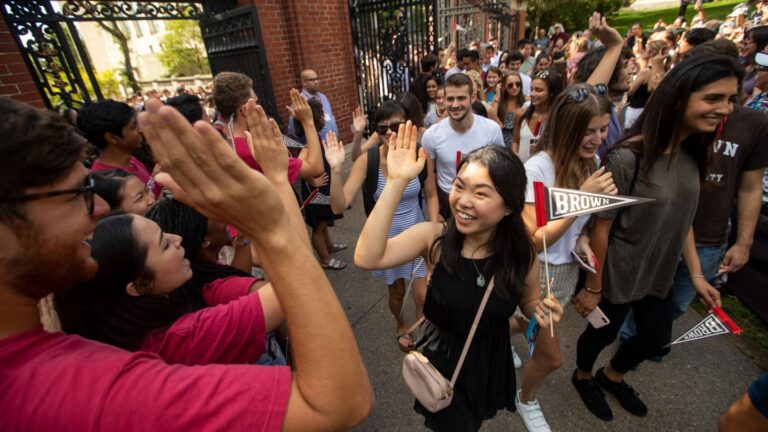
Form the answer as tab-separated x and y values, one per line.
47	37
467	21
389	37
234	44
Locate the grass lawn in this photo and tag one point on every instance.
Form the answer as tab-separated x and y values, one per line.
622	21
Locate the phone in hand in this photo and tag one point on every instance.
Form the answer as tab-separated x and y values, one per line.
583	261
597	318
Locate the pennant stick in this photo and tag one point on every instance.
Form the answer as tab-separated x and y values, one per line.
309	198
546	277
540	205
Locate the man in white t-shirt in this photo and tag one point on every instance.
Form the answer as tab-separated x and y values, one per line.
447	141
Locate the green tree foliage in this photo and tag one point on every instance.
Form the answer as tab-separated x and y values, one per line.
573	14
109	83
183	52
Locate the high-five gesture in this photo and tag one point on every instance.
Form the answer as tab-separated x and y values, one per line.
266	142
403	163
299	108
334	151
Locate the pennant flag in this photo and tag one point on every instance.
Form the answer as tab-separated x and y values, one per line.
708	327
320	199
561	203
458	27
292	143
540	204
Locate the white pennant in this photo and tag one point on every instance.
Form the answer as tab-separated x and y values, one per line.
321	199
292	143
708	327
563	203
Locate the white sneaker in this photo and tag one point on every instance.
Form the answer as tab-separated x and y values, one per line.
531	415
516	359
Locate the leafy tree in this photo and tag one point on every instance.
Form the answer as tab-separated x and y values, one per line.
121	39
109	83
573	14
183	52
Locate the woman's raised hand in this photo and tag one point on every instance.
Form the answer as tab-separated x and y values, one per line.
334	151
266	142
201	170
601	181
299	108
605	33
359	121
403	162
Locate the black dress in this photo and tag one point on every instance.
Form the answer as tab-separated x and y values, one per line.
316	213
486	382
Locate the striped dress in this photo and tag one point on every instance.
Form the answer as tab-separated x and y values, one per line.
407	214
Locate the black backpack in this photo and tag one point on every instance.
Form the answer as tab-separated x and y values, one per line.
372	179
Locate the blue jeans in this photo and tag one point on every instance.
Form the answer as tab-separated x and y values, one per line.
273	355
683	291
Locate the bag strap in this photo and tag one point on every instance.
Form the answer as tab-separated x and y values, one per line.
472	332
372	172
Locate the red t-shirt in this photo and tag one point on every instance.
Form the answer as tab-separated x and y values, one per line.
136	168
224	290
54	381
242	150
231	333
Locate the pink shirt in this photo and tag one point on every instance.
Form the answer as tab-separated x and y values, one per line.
231	333
223	291
54	381
136	168
241	147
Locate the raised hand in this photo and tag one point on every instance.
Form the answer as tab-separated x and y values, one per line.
299	108
201	169
266	142
334	151
607	34
601	181
402	161
359	121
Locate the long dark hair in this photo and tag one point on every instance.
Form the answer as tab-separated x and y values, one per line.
667	106
101	309
554	82
511	248
422	90
110	185
503	97
175	217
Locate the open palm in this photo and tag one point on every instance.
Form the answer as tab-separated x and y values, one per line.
402	160
334	150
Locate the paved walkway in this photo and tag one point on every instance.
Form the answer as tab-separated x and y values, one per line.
687	392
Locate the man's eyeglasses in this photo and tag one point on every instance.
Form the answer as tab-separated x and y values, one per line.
382	129
516	84
86	190
581	92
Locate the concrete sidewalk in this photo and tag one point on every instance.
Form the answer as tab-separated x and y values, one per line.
689	391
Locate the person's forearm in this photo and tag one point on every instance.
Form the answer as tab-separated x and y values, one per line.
555	229
750	201
288	198
690	256
604	70
599	244
338	201
372	243
357	144
314	156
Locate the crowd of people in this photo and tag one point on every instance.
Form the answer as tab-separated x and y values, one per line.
175	289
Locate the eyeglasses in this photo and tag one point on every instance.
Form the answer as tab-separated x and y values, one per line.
86	190
382	129
515	84
581	92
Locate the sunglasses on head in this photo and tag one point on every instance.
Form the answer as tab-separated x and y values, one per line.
581	93
394	127
86	191
542	74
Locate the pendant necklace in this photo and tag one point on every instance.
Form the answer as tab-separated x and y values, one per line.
480	281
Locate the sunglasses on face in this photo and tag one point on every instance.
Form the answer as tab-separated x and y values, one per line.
86	191
382	129
515	84
581	93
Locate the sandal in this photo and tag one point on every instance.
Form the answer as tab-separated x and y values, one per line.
334	264
337	247
408	347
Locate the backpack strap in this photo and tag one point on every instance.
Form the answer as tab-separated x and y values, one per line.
371	179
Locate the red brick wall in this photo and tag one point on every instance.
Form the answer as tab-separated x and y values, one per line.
15	79
310	34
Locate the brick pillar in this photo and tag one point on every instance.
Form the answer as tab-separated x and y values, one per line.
310	34
15	79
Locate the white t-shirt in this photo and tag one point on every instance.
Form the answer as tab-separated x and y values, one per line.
541	168
526	80
443	143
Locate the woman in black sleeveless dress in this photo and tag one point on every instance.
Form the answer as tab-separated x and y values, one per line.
484	238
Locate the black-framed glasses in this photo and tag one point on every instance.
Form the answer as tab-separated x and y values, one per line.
86	191
581	92
515	84
394	127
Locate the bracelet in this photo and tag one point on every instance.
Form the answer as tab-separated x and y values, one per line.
696	277
593	291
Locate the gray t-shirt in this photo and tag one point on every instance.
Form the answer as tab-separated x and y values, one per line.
647	239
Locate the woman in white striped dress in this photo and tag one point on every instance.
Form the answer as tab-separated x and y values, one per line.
389	117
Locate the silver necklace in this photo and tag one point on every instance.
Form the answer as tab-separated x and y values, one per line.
480	281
